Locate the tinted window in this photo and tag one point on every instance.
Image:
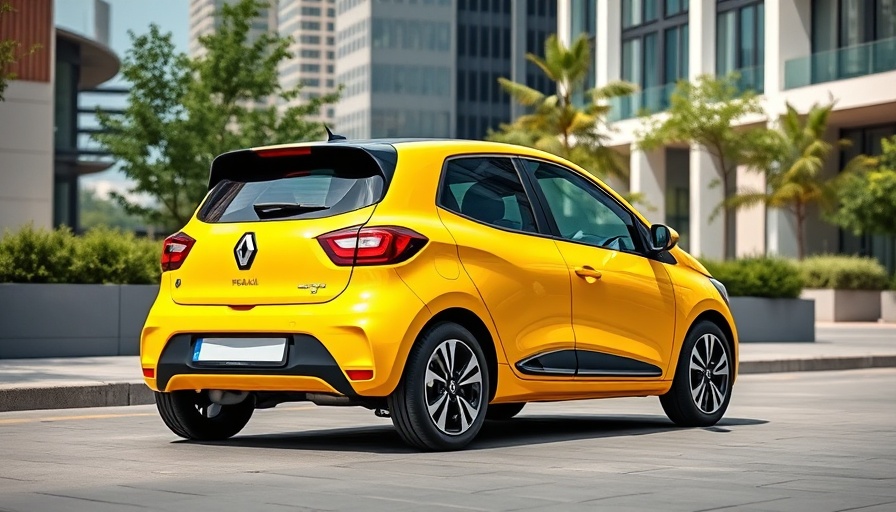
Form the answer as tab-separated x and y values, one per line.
582	212
296	191
487	190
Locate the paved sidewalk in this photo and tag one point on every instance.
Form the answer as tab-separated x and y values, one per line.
27	384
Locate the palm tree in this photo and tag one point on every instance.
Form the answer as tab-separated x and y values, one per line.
793	163
558	125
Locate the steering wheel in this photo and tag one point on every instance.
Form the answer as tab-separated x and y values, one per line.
608	241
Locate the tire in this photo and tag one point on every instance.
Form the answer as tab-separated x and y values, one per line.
458	411
193	416
701	392
503	412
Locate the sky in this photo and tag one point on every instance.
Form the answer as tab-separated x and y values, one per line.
126	15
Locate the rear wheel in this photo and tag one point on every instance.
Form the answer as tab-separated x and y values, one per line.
701	388
503	412
442	399
194	416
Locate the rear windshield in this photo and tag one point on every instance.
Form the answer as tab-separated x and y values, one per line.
293	193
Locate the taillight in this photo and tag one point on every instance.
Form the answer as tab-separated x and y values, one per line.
175	251
383	245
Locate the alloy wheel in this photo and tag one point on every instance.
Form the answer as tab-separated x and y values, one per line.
709	373
453	387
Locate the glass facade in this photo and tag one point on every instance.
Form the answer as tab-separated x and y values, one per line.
850	38
740	42
654	53
583	20
485	52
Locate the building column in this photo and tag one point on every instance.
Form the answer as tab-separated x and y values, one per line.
564	21
608	42
518	31
701	38
788	35
707	238
750	222
780	233
648	177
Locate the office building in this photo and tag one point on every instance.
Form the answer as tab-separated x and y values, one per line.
798	51
430	68
311	24
42	151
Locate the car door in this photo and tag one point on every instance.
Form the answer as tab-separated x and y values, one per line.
519	272
623	306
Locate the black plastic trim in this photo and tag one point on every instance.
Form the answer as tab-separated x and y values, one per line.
555	363
585	363
599	364
306	356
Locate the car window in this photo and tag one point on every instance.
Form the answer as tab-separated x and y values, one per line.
294	187
487	189
582	211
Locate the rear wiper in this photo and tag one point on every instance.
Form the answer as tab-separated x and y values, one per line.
273	210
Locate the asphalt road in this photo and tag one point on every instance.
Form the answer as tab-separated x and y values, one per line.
812	441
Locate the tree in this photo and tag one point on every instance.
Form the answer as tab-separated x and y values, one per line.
705	113
9	52
793	160
96	211
556	124
184	111
867	201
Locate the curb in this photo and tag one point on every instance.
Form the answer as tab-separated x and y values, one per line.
819	364
114	394
73	396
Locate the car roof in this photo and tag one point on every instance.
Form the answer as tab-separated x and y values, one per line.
459	145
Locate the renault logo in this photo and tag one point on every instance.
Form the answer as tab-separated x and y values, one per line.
245	251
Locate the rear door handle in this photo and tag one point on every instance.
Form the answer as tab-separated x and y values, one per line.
588	273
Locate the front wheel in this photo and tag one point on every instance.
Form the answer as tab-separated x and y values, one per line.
442	399
194	416
701	388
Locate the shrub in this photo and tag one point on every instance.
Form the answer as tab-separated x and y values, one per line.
758	277
107	255
36	255
843	273
102	255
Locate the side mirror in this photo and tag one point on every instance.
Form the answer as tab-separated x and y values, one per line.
662	237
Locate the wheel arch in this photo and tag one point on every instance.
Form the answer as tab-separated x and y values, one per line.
471	321
716	317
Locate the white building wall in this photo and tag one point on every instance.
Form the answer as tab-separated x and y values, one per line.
860	101
26	155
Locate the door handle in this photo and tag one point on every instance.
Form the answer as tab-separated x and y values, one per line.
588	273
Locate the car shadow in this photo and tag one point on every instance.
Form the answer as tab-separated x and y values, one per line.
521	431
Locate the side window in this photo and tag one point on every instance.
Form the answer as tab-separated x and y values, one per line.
487	189
582	211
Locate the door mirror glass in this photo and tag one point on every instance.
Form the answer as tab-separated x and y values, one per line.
662	238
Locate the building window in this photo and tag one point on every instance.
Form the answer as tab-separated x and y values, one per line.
654	48
845	23
740	41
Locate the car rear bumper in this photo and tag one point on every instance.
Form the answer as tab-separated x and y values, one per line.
369	327
306	358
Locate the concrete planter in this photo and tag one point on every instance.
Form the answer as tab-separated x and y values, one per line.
66	320
888	306
761	319
845	305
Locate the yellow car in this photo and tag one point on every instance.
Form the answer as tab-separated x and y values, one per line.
441	283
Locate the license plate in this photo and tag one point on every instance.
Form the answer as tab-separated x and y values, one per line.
240	351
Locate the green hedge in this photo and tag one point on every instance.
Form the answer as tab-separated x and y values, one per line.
102	255
758	277
843	273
